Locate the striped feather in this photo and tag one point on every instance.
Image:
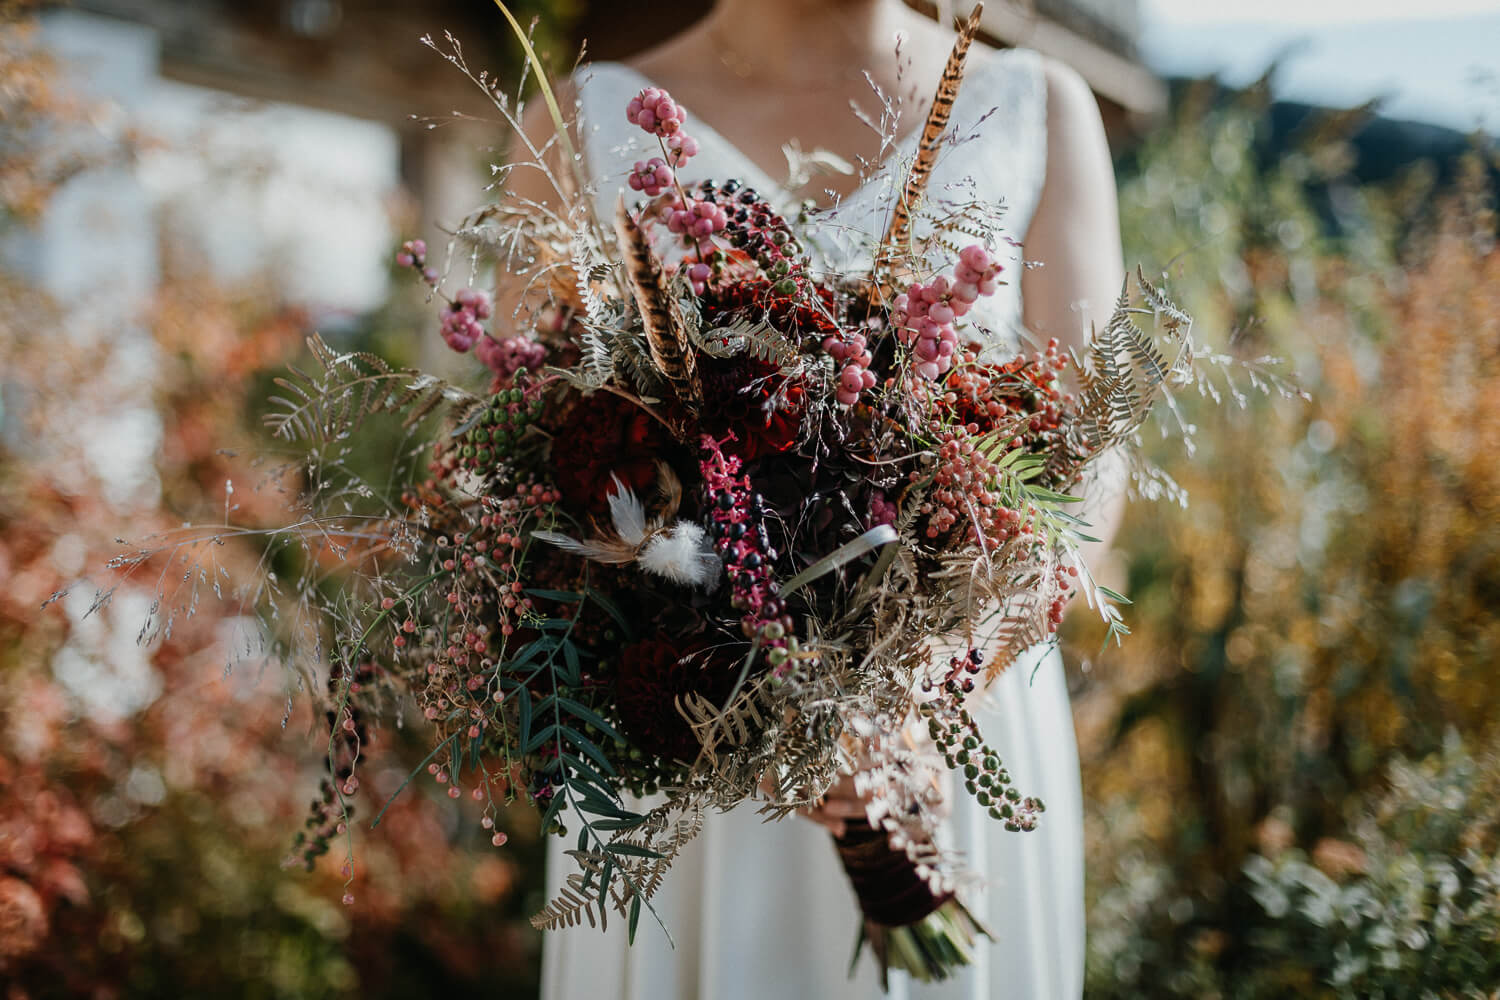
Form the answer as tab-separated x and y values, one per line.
899	232
666	331
605	550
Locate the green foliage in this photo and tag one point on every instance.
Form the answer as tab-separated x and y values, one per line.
1422	915
1410	907
1323	611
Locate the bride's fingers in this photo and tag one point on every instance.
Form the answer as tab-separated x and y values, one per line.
842	808
834	813
832	824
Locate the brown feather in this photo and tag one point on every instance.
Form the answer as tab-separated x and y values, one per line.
670	489
666	331
602	548
899	231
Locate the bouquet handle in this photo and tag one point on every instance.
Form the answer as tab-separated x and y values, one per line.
927	934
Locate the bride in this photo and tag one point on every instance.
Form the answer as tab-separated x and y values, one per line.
763	910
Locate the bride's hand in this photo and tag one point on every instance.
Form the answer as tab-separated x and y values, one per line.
844	803
841	804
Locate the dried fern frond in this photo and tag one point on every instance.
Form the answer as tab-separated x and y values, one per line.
631	358
1177	322
748	715
661	314
646	853
351	388
580	899
596	363
626	872
758	340
590	266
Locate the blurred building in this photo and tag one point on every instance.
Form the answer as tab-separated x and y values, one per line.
324	99
361	57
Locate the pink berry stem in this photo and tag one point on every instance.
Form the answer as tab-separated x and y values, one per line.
681	194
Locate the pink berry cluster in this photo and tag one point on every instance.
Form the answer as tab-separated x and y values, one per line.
925	313
650	177
882	510
1063	576
507	355
977	270
654	110
848	349
698	275
413	254
681	147
328	817
963	490
697	220
461	317
481	600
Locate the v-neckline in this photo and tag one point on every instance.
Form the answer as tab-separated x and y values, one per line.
703	130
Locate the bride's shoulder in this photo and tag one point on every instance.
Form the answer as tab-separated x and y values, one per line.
1072	112
1070	107
1079	184
1066	88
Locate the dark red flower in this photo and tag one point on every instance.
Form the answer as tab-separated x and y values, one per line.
604	435
651	676
807	312
752	400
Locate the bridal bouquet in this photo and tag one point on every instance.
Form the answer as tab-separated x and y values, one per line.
722	527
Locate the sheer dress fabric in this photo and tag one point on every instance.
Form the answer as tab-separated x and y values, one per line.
762	910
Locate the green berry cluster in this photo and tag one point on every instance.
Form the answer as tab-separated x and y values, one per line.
985	778
494	436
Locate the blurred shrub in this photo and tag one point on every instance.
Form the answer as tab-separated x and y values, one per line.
33	163
148	796
1325	605
1410	907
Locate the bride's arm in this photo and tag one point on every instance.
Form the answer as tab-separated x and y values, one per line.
1075	235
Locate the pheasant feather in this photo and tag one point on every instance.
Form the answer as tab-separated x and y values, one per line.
899	232
666	330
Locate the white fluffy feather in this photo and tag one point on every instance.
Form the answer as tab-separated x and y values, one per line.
683	555
628	513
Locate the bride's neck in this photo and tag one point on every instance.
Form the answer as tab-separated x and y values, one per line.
791	39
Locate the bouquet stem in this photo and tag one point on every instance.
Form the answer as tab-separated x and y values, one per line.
928	935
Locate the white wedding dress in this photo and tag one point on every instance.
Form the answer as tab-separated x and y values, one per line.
763	910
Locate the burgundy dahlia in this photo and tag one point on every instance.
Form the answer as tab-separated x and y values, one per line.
804	311
651	676
750	399
604	435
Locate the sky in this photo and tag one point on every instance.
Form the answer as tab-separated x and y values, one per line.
1436	61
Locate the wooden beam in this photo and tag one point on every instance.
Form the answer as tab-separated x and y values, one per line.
372	66
1112	76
